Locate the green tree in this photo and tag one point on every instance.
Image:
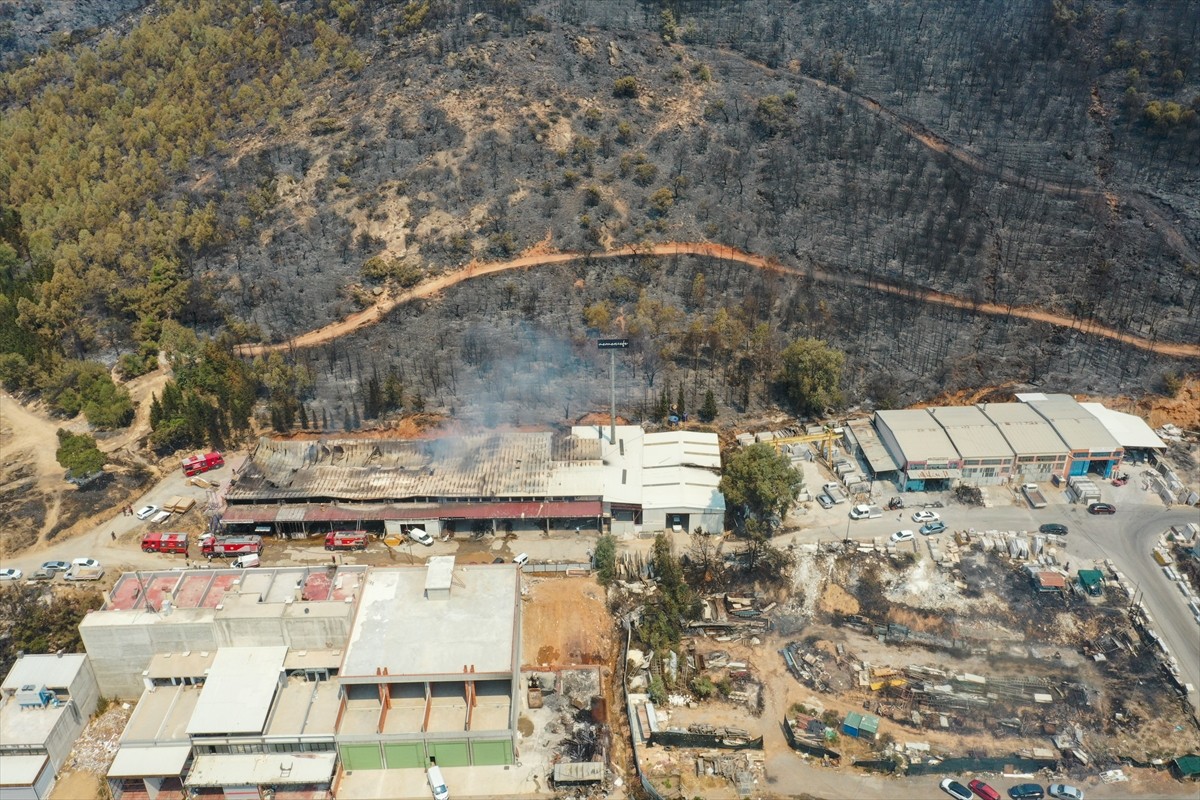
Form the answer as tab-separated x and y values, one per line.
625	87
605	559
36	620
78	453
811	376
763	482
708	411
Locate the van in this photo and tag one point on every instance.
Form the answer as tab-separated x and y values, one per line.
436	784
521	560
247	561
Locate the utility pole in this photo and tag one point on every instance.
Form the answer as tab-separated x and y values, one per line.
612	345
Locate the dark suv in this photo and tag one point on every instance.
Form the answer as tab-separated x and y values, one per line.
1102	508
1026	791
1055	528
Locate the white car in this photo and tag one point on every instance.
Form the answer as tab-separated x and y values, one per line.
86	562
145	512
10	574
902	536
926	516
1064	792
420	536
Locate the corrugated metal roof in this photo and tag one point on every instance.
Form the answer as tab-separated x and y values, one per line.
558	509
877	455
1128	429
972	434
1074	424
919	435
1026	431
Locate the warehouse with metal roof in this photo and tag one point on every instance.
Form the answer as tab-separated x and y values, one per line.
986	457
536	481
921	447
1038	451
1092	447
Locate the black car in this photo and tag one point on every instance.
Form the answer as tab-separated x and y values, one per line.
1026	791
1055	528
1102	508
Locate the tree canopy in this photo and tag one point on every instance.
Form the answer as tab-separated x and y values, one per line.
78	454
811	376
761	481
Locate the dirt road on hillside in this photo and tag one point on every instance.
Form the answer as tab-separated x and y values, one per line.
376	312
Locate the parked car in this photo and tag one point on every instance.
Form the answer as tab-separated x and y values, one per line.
932	527
955	789
926	516
10	574
1102	508
1062	791
41	575
145	512
420	536
824	500
521	560
902	536
1026	791
983	790
55	566
1054	527
85	562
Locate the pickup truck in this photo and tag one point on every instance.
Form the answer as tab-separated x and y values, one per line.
1034	495
866	512
78	572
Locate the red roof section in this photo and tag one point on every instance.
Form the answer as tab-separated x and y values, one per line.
246	514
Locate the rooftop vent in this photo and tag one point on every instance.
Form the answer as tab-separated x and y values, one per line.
439	574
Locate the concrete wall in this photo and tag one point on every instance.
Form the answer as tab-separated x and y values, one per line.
62	739
119	653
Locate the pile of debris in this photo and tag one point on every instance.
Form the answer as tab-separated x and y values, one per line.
730	617
806	666
741	768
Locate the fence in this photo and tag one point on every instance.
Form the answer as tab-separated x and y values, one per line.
578	566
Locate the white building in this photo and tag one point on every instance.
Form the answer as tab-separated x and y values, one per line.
45	702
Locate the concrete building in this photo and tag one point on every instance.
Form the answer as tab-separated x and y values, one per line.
540	480
431	670
920	446
1038	450
232	723
987	459
45	702
1092	448
152	613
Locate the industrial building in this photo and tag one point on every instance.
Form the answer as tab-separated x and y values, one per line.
536	481
996	443
428	668
152	613
920	446
432	669
45	702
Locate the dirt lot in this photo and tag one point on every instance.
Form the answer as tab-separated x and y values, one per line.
566	622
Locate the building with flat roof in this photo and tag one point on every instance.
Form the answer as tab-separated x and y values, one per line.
45	702
432	668
151	613
987	459
240	719
921	448
1092	447
519	480
1038	450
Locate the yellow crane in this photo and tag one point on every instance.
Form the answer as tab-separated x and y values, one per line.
827	437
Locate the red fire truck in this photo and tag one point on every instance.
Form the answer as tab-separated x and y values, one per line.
202	462
346	540
165	543
229	546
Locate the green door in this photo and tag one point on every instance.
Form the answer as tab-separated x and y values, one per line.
449	754
401	756
492	753
361	756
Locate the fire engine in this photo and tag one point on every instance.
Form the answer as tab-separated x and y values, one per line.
202	462
346	540
229	546
165	543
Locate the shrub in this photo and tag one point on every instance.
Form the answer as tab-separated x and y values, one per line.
625	87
